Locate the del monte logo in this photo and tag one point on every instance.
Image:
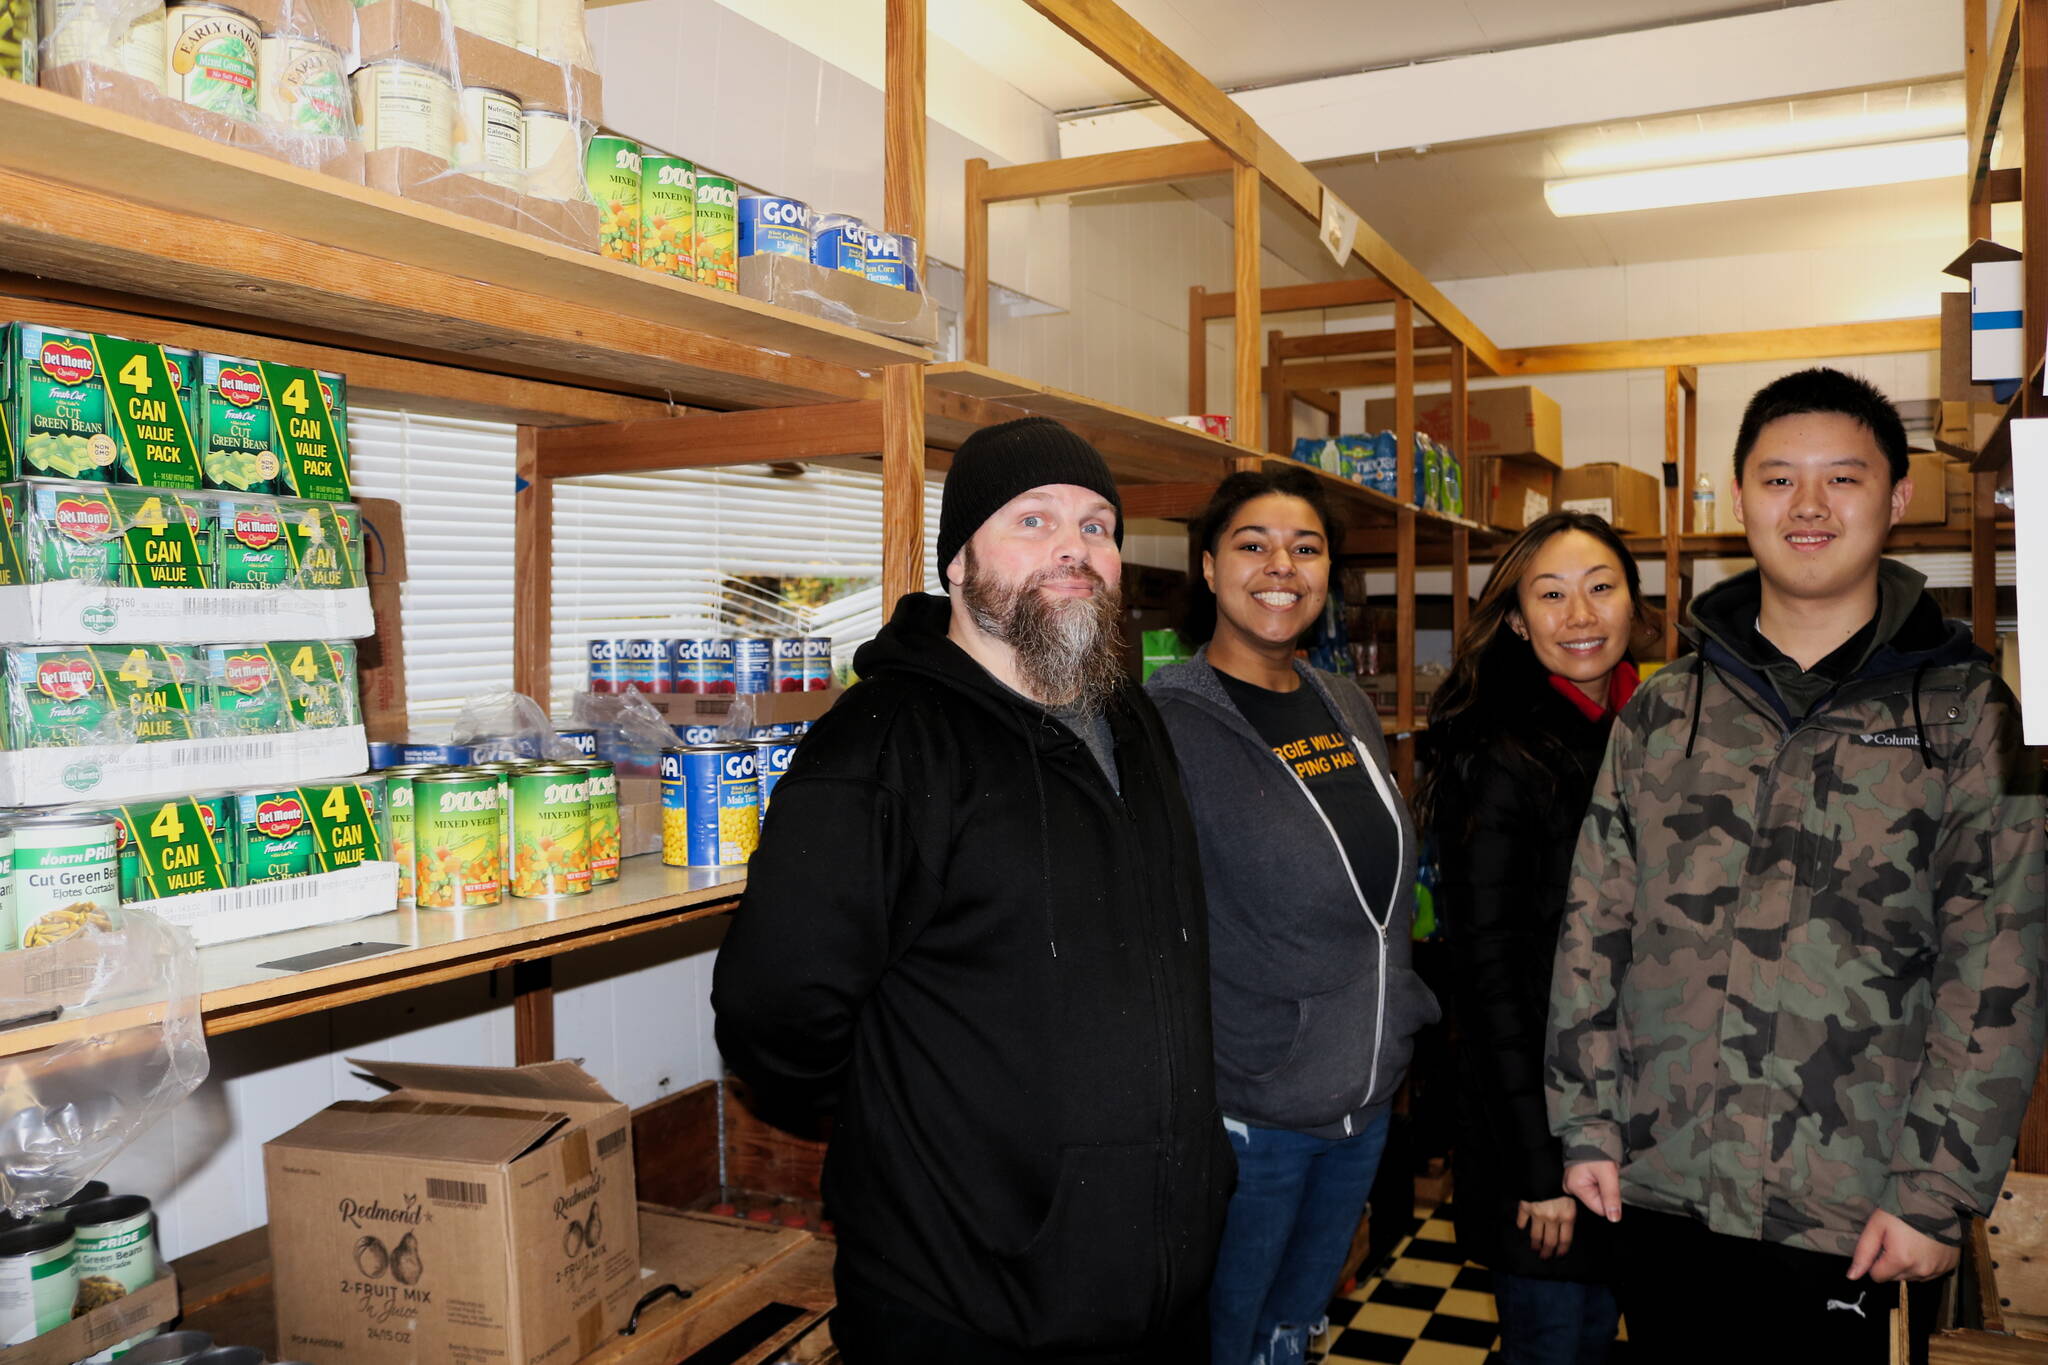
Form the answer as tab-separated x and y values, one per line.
99	618
66	679
248	673
257	527
280	817
66	362
85	519
243	388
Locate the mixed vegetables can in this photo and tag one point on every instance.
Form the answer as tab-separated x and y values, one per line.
550	830
456	840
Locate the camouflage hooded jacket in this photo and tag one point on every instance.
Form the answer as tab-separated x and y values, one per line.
1799	976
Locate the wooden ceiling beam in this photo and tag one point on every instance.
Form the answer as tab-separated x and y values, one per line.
1106	171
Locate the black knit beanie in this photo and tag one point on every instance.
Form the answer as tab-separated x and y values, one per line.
997	463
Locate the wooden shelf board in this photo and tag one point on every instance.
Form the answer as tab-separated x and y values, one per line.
92	195
435	945
1382	510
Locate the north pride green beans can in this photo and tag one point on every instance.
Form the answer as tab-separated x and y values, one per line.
38	1281
116	1255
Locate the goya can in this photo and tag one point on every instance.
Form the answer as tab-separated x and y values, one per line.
554	161
305	86
38	1281
771	761
688	735
275	837
607	671
398	803
550	831
404	104
753	664
212	56
668	215
115	1254
817	663
611	170
786	664
710	805
882	259
604	819
838	242
584	742
700	665
716	232
67	876
773	226
457	861
102	34
644	665
492	137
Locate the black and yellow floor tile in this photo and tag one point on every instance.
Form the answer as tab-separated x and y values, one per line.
1425	1306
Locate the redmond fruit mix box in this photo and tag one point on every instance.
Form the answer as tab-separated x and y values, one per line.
476	1214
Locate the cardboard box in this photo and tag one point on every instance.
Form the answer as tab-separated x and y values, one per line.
476	1214
639	816
1630	501
838	296
1997	288
1510	494
770	708
380	660
412	32
1962	494
1519	423
1956	385
108	1325
428	180
1929	503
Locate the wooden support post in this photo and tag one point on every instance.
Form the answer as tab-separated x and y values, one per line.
1984	560
974	308
1675	501
2033	21
1245	353
1198	350
533	570
1689	381
1279	403
1404	529
1404	401
1461	581
902	484
533	1011
903	124
1975	188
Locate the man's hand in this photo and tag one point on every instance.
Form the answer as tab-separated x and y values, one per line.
1890	1250
1549	1222
1597	1185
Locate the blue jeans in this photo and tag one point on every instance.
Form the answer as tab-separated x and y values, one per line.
1554	1322
1290	1224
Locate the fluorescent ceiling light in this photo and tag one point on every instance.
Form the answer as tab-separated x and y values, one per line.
1718	137
1843	168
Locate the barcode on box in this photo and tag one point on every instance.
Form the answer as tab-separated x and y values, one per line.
609	1143
233	606
458	1191
264	895
233	751
64	981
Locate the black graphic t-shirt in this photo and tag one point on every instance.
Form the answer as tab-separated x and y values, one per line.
1306	737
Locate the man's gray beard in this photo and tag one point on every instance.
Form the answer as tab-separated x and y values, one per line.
1068	651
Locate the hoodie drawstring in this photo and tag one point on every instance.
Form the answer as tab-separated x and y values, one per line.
1927	754
1699	690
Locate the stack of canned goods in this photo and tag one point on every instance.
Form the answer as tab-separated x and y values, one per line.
91	1250
751	664
663	213
714	797
467	837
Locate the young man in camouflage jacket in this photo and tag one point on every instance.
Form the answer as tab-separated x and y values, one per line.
1796	1010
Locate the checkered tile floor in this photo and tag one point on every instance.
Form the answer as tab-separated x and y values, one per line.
1426	1307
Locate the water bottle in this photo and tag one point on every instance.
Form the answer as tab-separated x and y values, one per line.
1703	506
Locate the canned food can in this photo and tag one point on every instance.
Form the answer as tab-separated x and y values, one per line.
554	158
838	243
305	86
38	1281
9	931
716	232
710	805
458	865
583	741
172	1348
245	690
211	59
435	755
254	551
786	665
492	749
500	769
773	226
701	665
607	673
611	170
497	20
115	1254
491	135
90	1192
558	33
688	735
817	663
780	730
771	761
18	41
404	104
275	835
550	831
604	819
753	664
230	1355
882	259
645	665
385	753
67	876
668	215
85	31
398	805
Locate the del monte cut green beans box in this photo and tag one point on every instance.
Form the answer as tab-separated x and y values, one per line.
269	428
79	405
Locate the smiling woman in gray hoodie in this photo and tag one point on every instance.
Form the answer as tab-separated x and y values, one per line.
1308	855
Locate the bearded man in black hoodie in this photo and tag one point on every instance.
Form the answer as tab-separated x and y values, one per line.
975	928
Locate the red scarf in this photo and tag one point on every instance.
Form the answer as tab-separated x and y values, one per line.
1621	685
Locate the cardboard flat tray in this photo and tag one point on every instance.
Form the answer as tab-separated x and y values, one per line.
151	1306
70	613
121	772
240	912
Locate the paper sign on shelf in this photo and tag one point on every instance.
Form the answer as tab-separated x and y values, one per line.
2030	569
1340	227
